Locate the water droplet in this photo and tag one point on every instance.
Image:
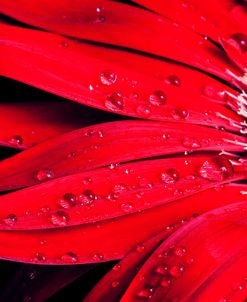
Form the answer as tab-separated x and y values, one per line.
45	209
146	292
190	142
27	299
72	154
42	242
98	257
99	9
87	197
190	260
143	111
119	188
87	180
157	98
40	257
114	102
68	201
117	267
108	77
161	269
115	284
165	282
64	44
239	41
140	248
180	113
216	168
174	80
10	219
69	257
59	218
177	271
44	174
16	140
170	176
127	207
179	251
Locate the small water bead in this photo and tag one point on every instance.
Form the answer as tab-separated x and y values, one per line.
177	271
87	197
44	174
99	9
69	257
165	282
146	292
64	44
216	168
39	257
116	267
16	140
180	113
59	218
190	142
157	98
119	188
170	176
174	80
161	269
145	183
67	201
143	111
10	219
115	102
179	251
87	181
98	257
190	260
127	207
140	248
108	77
114	284
27	299
45	209
239	41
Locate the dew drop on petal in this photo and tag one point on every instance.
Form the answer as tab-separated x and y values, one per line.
67	201
114	102
10	219
239	41
39	257
87	197
177	271
216	168
179	251
59	218
114	284
16	140
108	77
69	257
140	248
119	188
192	143
146	292
127	207
157	98
98	257
174	80
44	174
116	267
161	269
170	176
143	111
180	113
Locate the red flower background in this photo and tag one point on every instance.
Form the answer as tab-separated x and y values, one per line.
123	150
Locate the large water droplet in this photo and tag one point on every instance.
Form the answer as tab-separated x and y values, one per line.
68	201
69	257
10	219
115	102
239	41
59	218
44	174
177	271
87	197
157	98
216	168
108	77
170	176
16	140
